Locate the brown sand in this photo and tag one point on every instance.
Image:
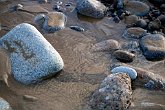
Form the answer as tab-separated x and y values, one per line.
84	69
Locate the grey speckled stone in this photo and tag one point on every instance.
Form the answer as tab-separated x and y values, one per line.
91	8
4	105
114	93
124	69
32	56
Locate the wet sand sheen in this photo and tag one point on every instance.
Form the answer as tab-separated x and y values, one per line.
84	69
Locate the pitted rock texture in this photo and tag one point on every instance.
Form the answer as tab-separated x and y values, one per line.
114	93
32	56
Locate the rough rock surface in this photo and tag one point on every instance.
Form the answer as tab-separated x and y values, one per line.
91	8
32	56
153	46
114	93
138	8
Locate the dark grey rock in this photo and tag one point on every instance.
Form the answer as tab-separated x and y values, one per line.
91	8
32	56
77	28
141	23
114	93
153	46
154	25
124	56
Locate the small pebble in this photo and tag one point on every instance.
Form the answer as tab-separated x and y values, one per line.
124	69
77	28
150	84
29	98
124	56
116	19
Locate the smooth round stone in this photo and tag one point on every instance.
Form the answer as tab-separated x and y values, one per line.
134	32
114	93
107	45
138	8
4	105
132	19
153	46
91	8
51	22
162	19
141	23
124	69
124	56
32	56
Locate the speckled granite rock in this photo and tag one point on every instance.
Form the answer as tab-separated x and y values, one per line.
91	8
114	93
51	22
107	45
4	105
153	46
32	56
138	8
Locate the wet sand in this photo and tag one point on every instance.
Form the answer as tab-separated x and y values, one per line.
84	69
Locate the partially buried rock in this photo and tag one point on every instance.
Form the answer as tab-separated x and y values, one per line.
107	45
51	22
134	32
32	56
4	105
114	93
91	8
138	8
125	69
141	23
153	46
124	56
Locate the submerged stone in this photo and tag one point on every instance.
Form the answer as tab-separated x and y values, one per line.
32	56
51	22
153	46
138	8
